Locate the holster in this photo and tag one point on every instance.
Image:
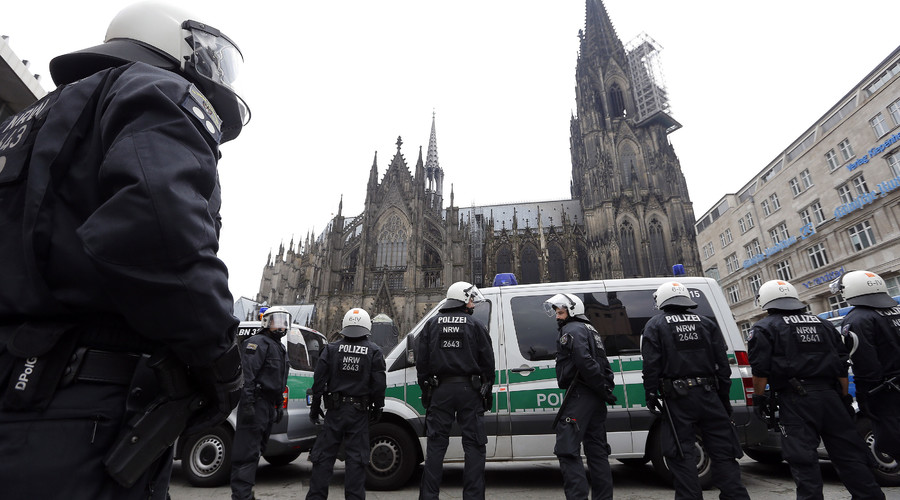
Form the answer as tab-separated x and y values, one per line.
332	400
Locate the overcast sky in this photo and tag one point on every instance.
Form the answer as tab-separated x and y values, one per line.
330	83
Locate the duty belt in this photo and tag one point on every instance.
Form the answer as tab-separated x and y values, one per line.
690	382
456	378
363	400
95	365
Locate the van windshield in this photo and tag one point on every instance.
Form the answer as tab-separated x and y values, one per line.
619	316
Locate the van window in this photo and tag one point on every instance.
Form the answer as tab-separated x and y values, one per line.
482	313
303	349
619	316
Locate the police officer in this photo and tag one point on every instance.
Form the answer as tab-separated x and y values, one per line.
686	362
109	207
872	331
350	378
455	365
804	363
583	370
265	363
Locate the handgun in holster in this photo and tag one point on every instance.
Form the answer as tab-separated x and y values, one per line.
797	387
149	434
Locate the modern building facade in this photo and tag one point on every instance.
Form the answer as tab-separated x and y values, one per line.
629	214
18	86
828	204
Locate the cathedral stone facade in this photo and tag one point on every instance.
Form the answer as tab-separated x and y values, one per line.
629	214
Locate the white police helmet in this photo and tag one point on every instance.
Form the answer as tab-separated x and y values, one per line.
357	323
673	293
277	318
778	294
167	37
568	301
863	288
461	292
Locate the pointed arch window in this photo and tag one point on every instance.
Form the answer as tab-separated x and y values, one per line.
584	263
392	244
626	163
628	251
658	261
616	102
531	271
504	260
557	263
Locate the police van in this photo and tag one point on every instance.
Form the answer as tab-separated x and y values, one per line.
526	396
206	457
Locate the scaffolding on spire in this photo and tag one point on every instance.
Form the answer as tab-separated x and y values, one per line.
648	83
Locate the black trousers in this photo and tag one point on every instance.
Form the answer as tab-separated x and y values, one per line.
884	410
348	424
58	453
454	402
250	439
584	421
821	414
701	410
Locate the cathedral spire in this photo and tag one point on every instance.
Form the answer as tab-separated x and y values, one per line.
373	173
600	36
433	172
340	205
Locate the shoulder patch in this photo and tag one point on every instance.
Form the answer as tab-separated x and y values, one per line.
250	347
564	339
845	330
200	108
750	335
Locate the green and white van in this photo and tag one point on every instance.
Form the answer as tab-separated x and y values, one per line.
206	456
526	396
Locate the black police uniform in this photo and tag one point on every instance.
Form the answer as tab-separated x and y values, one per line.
108	251
350	378
455	348
265	363
685	360
803	359
580	353
875	361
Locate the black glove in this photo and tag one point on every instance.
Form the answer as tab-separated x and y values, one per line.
761	407
315	410
487	396
847	399
609	397
279	414
220	382
653	403
375	410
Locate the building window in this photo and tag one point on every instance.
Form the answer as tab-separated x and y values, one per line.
775	204
712	272
861	236
805	179
894	163
795	186
779	233
628	251
745	329
859	183
708	250
818	257
818	213
783	270
734	294
392	246
836	302
844	193
805	218
531	272
753	283
752	249
731	262
894	110
749	220
893	286
658	260
846	149
556	263
743	225
831	159
726	238
765	208
878	125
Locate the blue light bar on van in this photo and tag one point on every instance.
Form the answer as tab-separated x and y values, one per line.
678	270
504	279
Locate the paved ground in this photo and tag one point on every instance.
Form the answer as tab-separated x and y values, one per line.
516	481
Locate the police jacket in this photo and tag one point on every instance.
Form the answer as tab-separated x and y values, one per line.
580	351
453	343
678	343
108	208
793	344
352	367
877	354
265	364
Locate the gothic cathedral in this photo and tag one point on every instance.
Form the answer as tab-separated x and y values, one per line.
629	215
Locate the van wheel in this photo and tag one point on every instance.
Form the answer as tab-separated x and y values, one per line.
887	470
279	460
392	457
661	466
206	457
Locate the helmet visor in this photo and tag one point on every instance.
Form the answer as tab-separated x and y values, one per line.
474	294
215	57
278	321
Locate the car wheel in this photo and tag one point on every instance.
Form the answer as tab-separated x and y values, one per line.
279	460
206	457
887	470
768	457
661	466
392	457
